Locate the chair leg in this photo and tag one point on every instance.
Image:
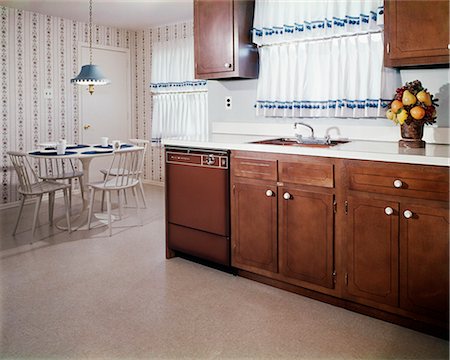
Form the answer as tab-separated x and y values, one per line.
125	196
51	206
119	199
108	206
70	193
80	182
67	204
138	210
142	193
103	194
36	213
20	214
91	206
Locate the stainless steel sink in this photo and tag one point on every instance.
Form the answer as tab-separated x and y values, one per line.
295	142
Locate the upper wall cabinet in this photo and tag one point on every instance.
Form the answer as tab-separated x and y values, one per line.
416	32
222	38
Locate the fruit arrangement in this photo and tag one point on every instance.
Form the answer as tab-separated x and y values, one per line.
412	102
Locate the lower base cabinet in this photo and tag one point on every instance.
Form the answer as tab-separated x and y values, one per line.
306	236
254	229
424	260
372	251
366	235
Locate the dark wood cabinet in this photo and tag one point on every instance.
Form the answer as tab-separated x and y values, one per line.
254	230
366	235
372	251
222	39
416	32
424	259
283	217
306	232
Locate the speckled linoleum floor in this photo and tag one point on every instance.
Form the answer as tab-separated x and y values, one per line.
90	296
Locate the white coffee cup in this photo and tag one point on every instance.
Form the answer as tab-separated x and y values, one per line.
104	141
116	144
61	147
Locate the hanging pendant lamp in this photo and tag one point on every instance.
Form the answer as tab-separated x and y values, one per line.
90	74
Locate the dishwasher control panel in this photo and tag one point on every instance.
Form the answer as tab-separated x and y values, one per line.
213	160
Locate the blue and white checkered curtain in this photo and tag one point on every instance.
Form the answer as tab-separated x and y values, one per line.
179	100
322	58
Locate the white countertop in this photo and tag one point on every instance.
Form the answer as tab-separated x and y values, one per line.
432	154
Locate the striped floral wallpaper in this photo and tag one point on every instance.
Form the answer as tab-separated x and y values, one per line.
41	52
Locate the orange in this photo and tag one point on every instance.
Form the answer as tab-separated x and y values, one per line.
417	112
396	105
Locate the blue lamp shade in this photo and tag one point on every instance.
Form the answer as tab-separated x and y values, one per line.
90	75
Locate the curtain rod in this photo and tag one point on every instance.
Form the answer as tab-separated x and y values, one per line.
321	38
177	92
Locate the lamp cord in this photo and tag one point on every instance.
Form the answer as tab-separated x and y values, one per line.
90	32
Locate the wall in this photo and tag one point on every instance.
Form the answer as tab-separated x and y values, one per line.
242	118
39	52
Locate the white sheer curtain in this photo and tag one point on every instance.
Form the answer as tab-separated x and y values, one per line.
322	59
179	101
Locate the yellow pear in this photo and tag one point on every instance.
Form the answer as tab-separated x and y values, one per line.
390	115
402	116
408	98
424	97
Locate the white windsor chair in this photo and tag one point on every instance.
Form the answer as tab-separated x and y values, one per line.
130	163
29	185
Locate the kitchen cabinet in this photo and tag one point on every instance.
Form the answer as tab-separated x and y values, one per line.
366	235
416	32
306	236
424	260
222	39
254	230
398	237
283	218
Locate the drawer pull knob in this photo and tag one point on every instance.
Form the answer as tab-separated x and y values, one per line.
286	196
388	211
269	193
408	214
398	183
227	65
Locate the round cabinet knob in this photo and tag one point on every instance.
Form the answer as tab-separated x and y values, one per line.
398	183
388	211
227	65
408	214
286	196
269	193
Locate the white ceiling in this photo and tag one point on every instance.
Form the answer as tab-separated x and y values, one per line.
126	14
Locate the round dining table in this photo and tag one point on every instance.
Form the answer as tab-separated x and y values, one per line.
85	153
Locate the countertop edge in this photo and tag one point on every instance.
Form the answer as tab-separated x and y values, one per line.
336	152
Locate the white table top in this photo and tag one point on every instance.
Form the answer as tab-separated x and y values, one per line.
79	152
432	154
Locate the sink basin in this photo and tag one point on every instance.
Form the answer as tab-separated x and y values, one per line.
294	142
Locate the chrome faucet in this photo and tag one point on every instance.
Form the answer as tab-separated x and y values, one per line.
312	139
308	126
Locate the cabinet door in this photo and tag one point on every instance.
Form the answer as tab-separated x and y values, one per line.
306	223
254	227
214	37
424	260
372	251
416	32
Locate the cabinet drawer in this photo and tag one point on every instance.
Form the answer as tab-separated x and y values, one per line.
428	182
254	168
307	174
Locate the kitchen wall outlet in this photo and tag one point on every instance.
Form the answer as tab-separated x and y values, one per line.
228	103
48	93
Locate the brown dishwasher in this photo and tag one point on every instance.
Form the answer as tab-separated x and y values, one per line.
197	203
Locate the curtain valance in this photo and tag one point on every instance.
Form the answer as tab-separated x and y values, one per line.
277	21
